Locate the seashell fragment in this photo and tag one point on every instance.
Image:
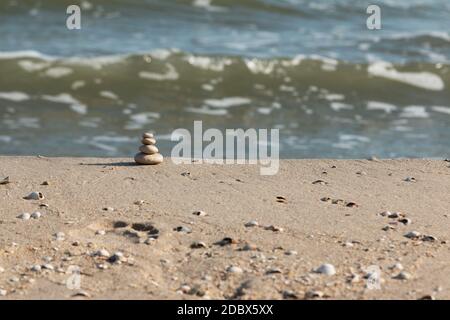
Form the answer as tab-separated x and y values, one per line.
5	181
199	213
327	269
234	269
252	223
198	245
34	196
24	216
274	228
403	275
183	229
312	294
413	235
36	215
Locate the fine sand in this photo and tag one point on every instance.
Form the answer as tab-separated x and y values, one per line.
138	208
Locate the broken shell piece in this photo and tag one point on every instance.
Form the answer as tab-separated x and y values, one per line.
102	253
413	235
410	179
403	276
36	215
35	196
199	213
351	205
322	182
117	258
327	269
249	247
405	221
312	294
234	269
273	270
5	181
60	236
252	223
273	228
24	216
183	229
226	241
387	228
429	238
198	245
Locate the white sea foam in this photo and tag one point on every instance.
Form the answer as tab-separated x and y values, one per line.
170	75
66	98
227	102
383	106
424	80
208	63
31	66
15	96
58	72
338	106
208	111
109	94
258	66
441	109
206	4
414	112
5	139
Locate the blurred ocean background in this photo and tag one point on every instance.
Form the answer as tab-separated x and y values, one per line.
309	68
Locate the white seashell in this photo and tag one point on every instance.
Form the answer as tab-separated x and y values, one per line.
48	266
3	292
35	196
413	235
148	159
403	276
60	236
102	253
198	245
2	269
117	257
36	215
148	149
36	268
24	216
100	232
199	213
252	223
148	141
234	269
327	269
311	294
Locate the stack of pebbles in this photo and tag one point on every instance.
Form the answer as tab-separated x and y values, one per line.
149	153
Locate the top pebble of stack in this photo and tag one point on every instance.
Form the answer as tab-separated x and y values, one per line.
149	153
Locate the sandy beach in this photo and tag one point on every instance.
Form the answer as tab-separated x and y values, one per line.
132	232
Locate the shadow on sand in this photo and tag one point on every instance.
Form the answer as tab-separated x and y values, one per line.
112	164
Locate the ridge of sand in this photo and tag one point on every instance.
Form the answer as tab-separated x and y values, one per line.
87	195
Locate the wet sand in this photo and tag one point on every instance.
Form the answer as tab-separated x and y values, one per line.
327	211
